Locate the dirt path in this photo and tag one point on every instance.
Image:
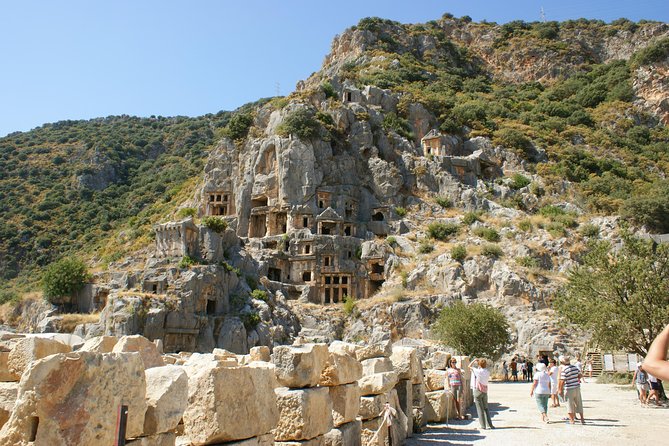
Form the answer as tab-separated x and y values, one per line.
613	417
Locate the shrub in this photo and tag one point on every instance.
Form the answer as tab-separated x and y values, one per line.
511	139
459	253
444	202
250	320
527	262
400	211
400	125
556	229
9	296
652	53
488	234
186	212
216	224
441	231
239	126
589	230
525	225
470	217
519	181
64	278
300	123
349	305
425	247
186	262
259	295
328	89
491	250
392	241
551	211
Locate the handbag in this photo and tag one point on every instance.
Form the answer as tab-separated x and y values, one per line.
481	387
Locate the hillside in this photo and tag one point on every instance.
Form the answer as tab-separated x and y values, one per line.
422	164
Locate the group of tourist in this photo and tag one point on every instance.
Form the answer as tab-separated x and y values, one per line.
647	386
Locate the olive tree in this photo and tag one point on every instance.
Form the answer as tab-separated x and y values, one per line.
63	278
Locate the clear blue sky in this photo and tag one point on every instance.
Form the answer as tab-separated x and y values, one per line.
77	59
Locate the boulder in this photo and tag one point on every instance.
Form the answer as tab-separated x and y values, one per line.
99	344
73	399
438	406
8	394
376	365
345	435
229	403
405	362
377	383
304	413
371	406
377	350
345	403
300	365
31	349
166	397
147	350
440	360
164	439
5	374
260	353
341	368
435	379
344	348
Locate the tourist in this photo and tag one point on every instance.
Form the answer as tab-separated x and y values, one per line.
654	390
570	386
579	365
453	384
514	369
541	390
554	373
523	369
656	359
588	367
530	366
480	377
505	371
640	380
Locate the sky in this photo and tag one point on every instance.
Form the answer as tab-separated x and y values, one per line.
81	59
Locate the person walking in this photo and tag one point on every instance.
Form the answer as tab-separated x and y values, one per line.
453	383
654	390
514	369
554	374
541	390
523	369
530	366
640	380
480	377
570	386
505	371
588	367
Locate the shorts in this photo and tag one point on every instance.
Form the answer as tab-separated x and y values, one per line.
514	372
642	387
654	385
554	388
457	393
573	397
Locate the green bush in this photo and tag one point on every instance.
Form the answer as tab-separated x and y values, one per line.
216	224
64	278
400	211
525	225
328	89
250	320
519	181
259	295
589	230
470	217
9	296
300	123
239	126
511	139
349	305
551	211
488	234
186	212
459	253
425	247
556	229
527	262
391	121
186	262
392	241
656	52
491	250
444	202
441	231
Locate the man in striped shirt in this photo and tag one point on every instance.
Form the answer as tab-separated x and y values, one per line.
570	382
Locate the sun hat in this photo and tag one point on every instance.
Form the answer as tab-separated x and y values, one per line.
541	367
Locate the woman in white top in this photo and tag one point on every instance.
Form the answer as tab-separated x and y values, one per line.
554	373
480	377
541	390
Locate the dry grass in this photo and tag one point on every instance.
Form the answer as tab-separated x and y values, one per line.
70	321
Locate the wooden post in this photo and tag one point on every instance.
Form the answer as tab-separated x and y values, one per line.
121	423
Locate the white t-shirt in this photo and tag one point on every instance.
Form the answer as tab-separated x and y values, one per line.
651	378
579	366
481	375
543	383
555	374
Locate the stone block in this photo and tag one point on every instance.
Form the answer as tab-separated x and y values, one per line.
435	379
304	413
341	367
418	376
262	440
438	406
378	350
371	406
345	435
99	344
146	349
30	349
260	353
318	441
164	439
73	398
166	397
345	403
8	395
230	403
418	395
376	365
405	362
404	390
5	374
377	383
440	360
344	348
300	365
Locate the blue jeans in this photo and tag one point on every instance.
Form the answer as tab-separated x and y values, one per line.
542	402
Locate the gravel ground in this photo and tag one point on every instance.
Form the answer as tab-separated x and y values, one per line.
613	417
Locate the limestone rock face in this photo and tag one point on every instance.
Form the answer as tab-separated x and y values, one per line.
147	350
342	367
31	349
5	374
405	362
305	413
377	383
75	398
99	344
377	350
166	397
217	395
435	379
371	406
8	394
345	435
300	365
376	365
345	403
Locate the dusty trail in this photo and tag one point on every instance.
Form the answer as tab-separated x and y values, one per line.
613	417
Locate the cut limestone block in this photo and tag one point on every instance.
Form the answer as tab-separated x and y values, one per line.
418	394
5	374
260	353
147	350
304	413
405	362
166	397
263	440
378	350
371	406
8	394
300	365
441	360
164	439
404	390
376	365
345	403
99	344
377	383
73	398
230	403
435	379
30	349
438	406
345	435
341	367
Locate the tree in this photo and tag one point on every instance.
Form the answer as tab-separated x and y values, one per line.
620	295
476	329
64	278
